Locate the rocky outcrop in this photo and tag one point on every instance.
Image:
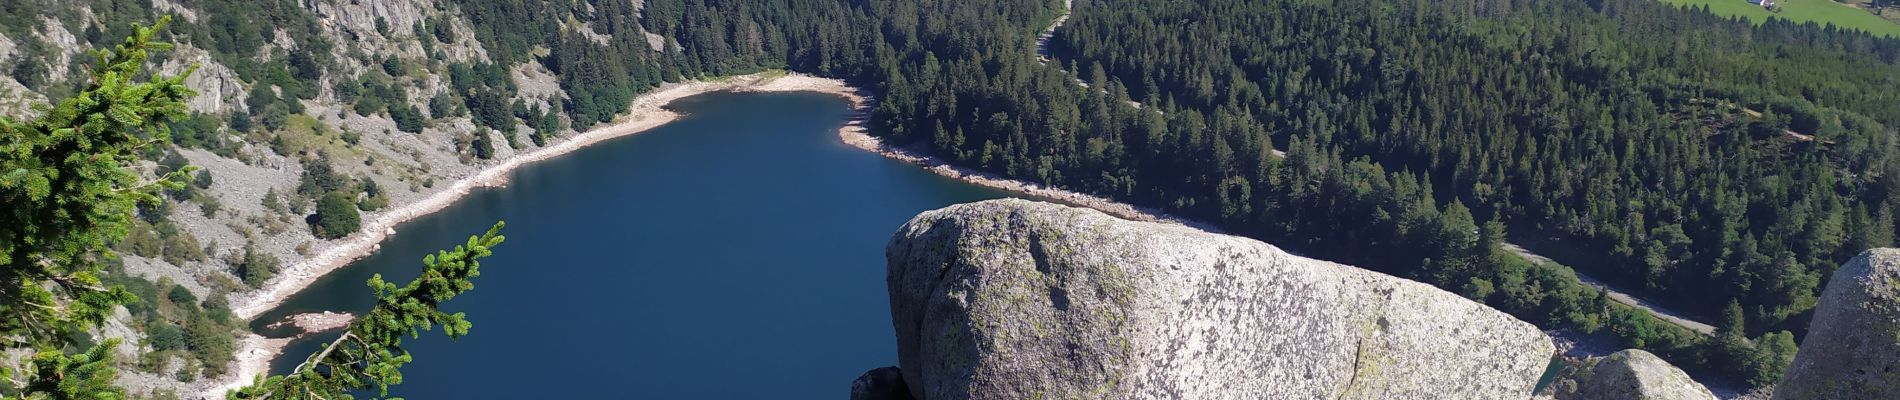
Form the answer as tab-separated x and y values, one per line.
64	47
372	17
17	100
7	47
886	383
1012	299
315	322
1636	375
219	88
171	7
1852	350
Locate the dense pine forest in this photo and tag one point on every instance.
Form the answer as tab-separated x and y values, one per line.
1725	164
1721	167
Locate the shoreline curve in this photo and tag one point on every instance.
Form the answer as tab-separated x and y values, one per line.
255	353
856	134
648	111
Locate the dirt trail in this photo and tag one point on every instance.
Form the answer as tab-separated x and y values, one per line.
1790	132
1627	299
1042	41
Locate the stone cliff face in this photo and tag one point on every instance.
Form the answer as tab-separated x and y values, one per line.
1011	299
219	89
1852	350
1635	375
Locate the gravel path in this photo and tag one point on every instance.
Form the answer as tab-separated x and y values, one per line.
1627	299
1042	41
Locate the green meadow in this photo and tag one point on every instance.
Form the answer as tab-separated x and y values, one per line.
1817	11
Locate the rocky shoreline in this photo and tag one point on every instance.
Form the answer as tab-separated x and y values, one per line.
647	112
315	322
255	352
854	133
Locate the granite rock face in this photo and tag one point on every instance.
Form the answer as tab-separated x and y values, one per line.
1852	350
1012	299
219	88
1638	375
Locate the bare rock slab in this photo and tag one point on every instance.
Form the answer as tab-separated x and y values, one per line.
1013	299
1639	375
1852	350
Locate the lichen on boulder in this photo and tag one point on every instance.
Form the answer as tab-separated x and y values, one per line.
1012	299
1852	350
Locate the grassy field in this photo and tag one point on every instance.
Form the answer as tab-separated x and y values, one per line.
1817	11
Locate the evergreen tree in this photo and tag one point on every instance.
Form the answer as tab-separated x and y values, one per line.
336	216
1732	321
70	189
370	354
407	117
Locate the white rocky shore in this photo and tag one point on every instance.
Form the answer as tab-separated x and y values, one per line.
647	112
255	352
315	322
854	133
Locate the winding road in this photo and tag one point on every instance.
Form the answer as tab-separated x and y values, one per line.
1665	314
1044	56
1042	41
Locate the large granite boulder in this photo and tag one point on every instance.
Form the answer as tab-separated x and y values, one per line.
1852	350
1012	299
1638	375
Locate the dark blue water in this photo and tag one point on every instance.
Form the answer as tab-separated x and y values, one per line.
737	253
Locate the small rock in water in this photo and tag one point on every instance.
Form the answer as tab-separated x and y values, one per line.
315	322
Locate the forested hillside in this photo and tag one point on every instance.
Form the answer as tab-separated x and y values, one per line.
1645	156
1721	167
1702	160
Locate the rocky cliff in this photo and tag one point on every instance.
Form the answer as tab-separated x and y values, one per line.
1631	375
1852	350
1011	299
